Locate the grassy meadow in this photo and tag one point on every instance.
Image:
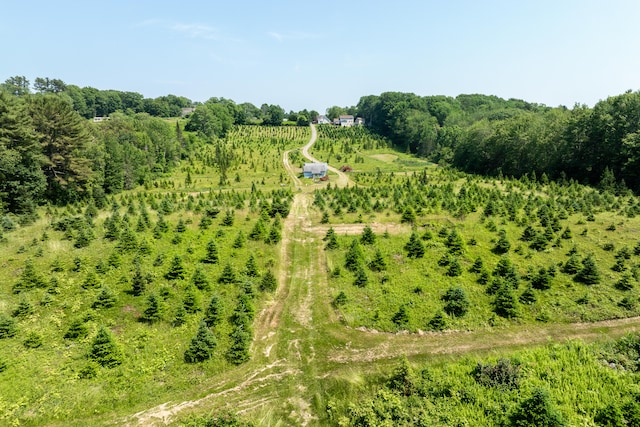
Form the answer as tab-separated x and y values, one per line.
417	247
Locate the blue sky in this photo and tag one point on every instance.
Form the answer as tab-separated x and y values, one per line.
317	54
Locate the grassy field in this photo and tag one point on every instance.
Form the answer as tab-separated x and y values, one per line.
312	353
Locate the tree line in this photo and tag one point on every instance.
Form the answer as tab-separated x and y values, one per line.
493	136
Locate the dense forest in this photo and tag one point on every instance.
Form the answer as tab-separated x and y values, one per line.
492	136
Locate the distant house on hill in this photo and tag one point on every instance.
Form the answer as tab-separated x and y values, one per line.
359	121
346	120
186	111
315	170
99	119
323	120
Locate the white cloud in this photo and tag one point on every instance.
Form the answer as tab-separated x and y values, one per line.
199	31
292	35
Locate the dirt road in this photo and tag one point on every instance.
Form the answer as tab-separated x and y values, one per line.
299	341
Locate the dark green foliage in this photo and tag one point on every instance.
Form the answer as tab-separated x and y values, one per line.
202	345
477	266
77	329
505	303
238	243
181	227
455	269
23	309
368	237
354	256
274	236
213	312
32	340
566	234
403	380
3	365
228	275
455	243
259	231
251	267
401	317
104	350
506	270
91	280
176	269
414	247
528	296
191	300
503	245
438	322
340	299
153	309
238	353
378	263
542	279
128	242
610	416
628	303
139	281
573	264
619	265
504	374
536	411
29	279
408	216
200	280
625	283
589	274
180	316
105	299
211	256
456	302
268	283
227	220
528	234
361	278
8	327
539	242
332	239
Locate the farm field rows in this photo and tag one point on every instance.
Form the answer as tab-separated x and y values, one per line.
424	262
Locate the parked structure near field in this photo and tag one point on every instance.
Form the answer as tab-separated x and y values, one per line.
315	170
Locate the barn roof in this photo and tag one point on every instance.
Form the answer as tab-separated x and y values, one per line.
315	168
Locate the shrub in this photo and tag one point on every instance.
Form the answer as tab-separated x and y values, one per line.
503	375
202	345
176	269
536	411
104	350
456	302
8	327
268	283
401	317
414	247
438	322
589	274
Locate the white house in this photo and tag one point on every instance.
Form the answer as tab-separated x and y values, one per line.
359	121
315	170
346	120
323	120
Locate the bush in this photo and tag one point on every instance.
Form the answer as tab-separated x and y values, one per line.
104	350
503	375
202	345
536	411
456	302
